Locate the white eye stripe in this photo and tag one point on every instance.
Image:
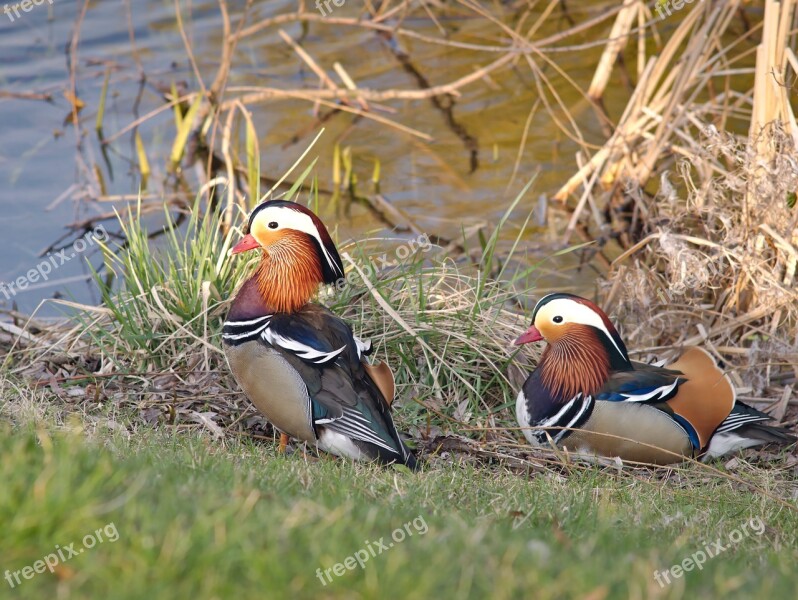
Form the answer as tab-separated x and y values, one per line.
575	312
288	218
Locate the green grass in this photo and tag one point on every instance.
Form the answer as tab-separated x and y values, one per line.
197	518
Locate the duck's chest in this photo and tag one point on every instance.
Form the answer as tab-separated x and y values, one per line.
274	386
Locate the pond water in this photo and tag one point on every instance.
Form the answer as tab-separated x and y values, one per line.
53	177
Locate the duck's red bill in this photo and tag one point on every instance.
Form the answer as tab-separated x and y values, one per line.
530	335
247	243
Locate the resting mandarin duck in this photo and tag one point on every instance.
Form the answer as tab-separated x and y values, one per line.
587	396
297	362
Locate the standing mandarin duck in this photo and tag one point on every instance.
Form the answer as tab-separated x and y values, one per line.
297	362
587	396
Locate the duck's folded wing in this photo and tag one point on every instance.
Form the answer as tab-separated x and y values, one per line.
653	386
694	392
354	408
344	399
645	383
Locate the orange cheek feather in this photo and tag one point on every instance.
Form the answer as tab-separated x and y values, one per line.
289	274
553	333
265	236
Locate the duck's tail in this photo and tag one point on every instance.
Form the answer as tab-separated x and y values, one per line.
744	428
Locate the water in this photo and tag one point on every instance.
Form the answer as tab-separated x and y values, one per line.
52	177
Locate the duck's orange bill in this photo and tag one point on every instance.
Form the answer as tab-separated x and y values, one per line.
530	335
247	243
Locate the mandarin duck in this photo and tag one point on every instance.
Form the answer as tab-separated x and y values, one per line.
587	396
297	362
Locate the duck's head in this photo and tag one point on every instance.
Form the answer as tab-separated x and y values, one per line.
561	317
298	253
281	229
580	337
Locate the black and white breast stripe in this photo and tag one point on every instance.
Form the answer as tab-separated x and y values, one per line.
239	332
569	417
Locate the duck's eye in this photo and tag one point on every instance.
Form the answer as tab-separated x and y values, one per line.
273	225
557	319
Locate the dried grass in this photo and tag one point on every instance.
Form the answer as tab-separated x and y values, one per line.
710	252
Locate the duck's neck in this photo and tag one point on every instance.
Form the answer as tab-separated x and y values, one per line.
572	365
286	279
